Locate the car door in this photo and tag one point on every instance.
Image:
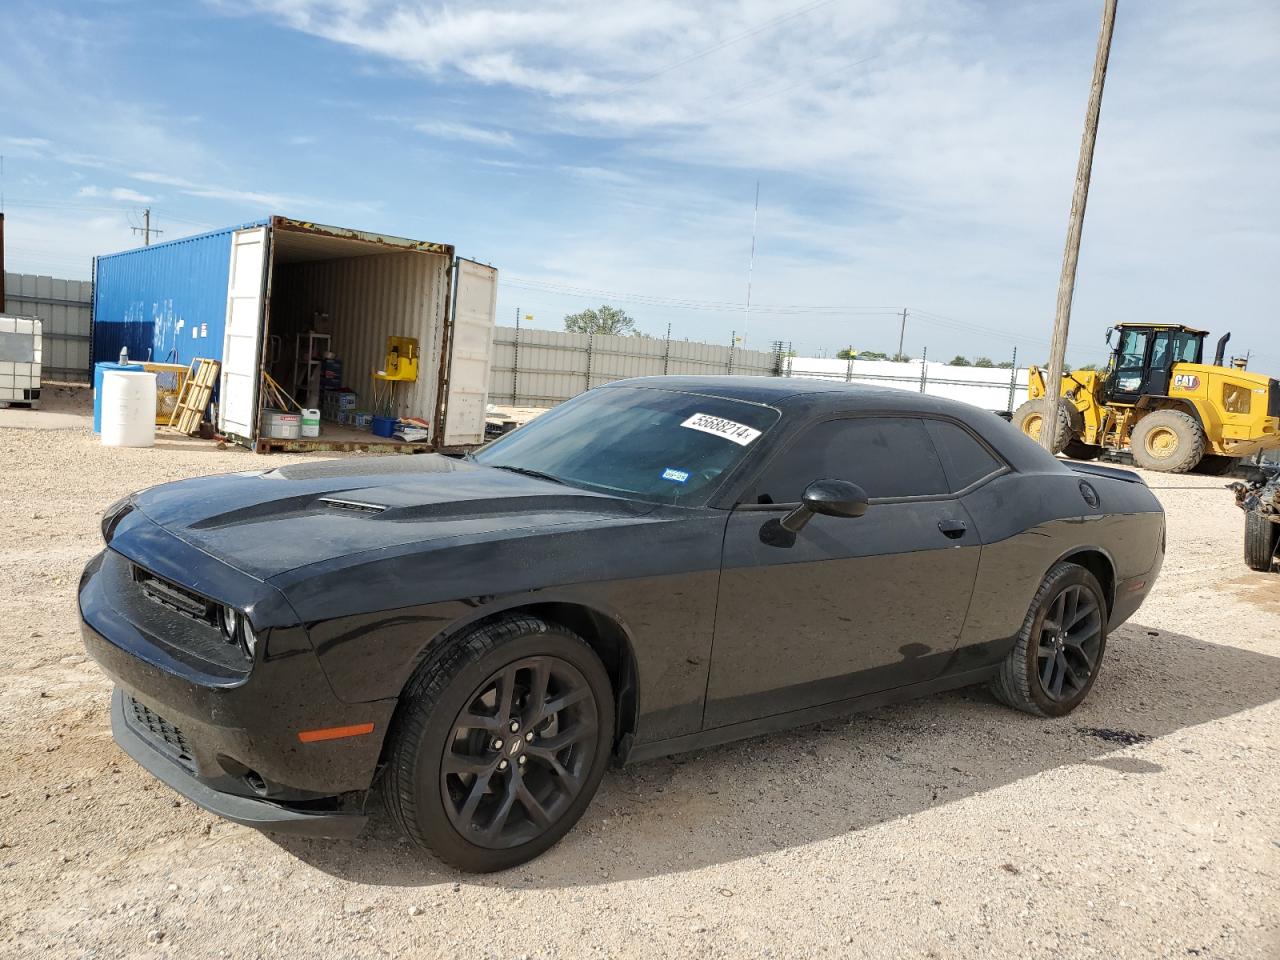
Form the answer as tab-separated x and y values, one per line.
852	606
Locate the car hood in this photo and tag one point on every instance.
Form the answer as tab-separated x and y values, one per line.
267	523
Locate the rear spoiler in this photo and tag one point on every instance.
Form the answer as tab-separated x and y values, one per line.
1115	473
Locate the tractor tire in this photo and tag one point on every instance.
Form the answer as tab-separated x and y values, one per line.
1167	440
1029	416
1261	538
1078	450
1212	465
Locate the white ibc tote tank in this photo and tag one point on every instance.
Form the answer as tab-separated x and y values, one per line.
128	408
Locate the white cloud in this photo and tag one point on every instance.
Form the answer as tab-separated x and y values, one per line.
115	193
469	133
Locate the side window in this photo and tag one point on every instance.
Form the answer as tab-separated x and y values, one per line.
886	456
964	458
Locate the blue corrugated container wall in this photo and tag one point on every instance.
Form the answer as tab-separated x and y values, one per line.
166	302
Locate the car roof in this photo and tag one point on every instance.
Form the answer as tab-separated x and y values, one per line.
808	398
785	392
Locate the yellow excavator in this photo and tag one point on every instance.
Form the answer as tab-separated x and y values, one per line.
1159	400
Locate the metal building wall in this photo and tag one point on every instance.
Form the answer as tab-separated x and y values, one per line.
65	310
166	302
540	368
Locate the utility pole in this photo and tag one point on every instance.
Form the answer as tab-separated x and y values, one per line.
902	332
1071	255
751	263
146	229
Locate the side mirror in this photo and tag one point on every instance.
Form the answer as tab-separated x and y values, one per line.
831	498
1110	330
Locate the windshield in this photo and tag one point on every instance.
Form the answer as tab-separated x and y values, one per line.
651	444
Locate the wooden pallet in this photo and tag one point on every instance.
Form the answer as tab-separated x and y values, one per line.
193	401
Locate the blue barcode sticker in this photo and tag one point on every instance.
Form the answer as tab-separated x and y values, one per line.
679	476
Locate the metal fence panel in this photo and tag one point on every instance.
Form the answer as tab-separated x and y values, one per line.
991	388
540	368
65	308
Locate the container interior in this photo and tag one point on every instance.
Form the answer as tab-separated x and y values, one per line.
358	292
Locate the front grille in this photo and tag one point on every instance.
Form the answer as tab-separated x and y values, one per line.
177	598
164	734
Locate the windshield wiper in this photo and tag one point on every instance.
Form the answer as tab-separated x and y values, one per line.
525	471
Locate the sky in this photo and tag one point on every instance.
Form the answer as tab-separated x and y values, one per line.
915	154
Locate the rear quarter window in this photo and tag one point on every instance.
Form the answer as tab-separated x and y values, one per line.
965	459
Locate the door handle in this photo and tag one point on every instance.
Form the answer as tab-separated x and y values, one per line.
953	528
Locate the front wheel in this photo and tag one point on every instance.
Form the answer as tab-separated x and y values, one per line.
1056	656
500	742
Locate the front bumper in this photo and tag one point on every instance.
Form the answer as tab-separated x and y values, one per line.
231	743
250	811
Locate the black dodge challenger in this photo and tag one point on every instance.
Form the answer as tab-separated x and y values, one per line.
654	566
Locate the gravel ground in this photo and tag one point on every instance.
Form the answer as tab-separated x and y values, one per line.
950	827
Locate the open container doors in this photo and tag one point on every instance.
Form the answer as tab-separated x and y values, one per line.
242	336
376	285
470	346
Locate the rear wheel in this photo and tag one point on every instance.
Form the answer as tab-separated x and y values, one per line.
1029	418
500	743
1261	538
1167	440
1056	656
1078	450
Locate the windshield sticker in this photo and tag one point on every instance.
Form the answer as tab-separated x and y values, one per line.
679	476
739	433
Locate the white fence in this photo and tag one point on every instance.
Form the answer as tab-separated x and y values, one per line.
540	368
65	307
990	388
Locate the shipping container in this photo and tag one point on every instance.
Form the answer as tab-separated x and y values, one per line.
277	296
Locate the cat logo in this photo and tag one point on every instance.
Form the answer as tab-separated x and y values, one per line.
1186	381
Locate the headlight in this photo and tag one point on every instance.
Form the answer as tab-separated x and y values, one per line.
236	628
112	516
228	618
247	636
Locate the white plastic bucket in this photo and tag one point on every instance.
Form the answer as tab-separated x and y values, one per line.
311	423
128	408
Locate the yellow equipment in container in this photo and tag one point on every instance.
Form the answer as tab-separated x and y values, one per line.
401	366
402	359
169	380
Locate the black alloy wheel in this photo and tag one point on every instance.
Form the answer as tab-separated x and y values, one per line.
519	752
1070	644
1057	654
499	743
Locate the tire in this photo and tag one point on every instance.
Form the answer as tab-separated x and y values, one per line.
1216	466
1023	681
1261	538
442	718
1077	450
1167	440
1028	418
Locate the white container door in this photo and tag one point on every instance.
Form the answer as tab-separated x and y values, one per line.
475	304
242	338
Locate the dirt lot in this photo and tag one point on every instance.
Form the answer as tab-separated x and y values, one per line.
950	827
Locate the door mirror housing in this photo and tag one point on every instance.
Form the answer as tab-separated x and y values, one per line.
831	498
1110	330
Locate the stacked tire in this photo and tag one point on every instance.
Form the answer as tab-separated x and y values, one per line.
1261	539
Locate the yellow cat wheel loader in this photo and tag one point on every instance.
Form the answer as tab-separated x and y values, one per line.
1159	400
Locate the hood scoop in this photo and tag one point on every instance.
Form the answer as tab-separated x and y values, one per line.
351	506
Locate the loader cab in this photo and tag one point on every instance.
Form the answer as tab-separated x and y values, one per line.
1143	356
